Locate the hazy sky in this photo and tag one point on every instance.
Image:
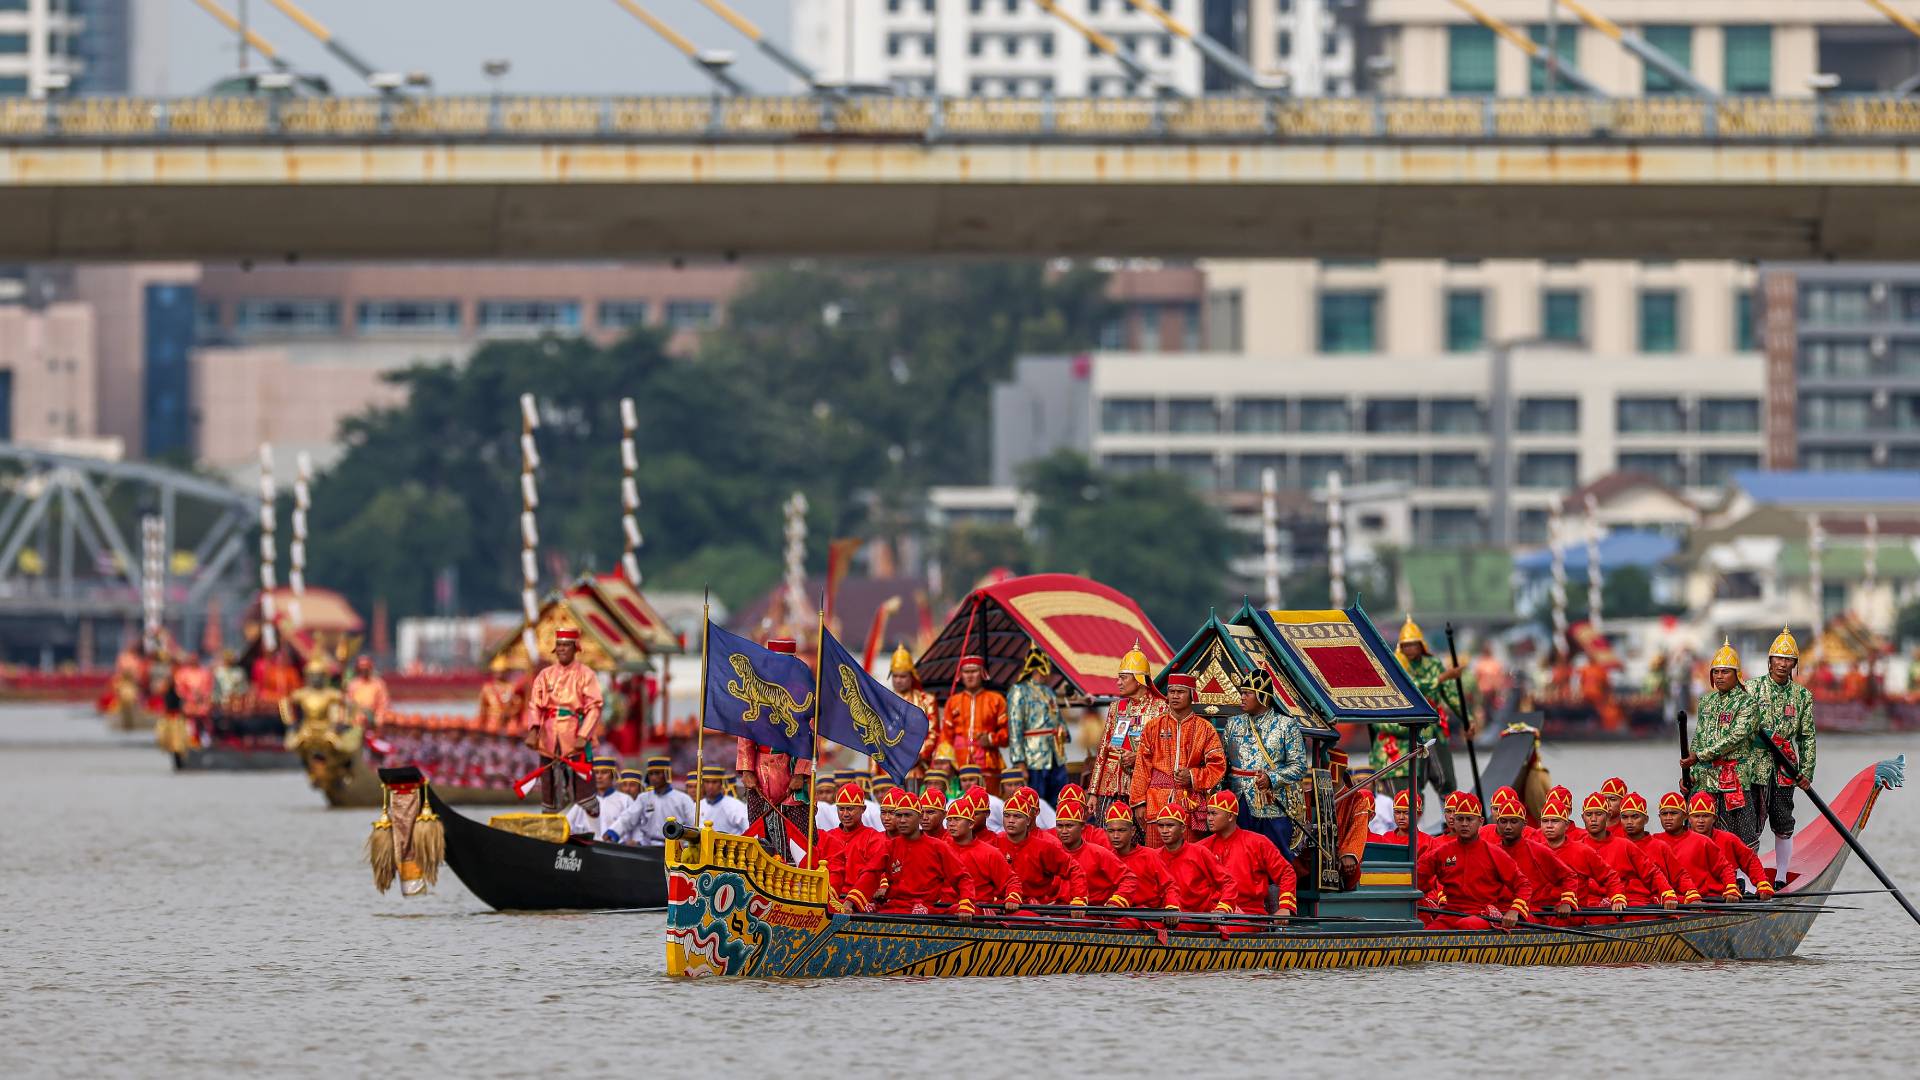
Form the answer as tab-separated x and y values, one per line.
555	46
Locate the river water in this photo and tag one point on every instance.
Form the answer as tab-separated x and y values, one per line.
224	924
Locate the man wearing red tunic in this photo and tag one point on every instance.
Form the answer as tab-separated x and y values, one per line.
766	783
1598	883
994	882
1402	821
565	705
1633	820
1703	817
1712	874
1502	795
1474	877
1256	864
1179	755
1110	772
1097	836
1614	792
1641	882
851	846
1109	882
1149	870
974	722
1555	886
1197	880
917	874
1047	873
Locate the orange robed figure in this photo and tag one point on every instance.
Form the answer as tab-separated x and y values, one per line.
974	722
194	684
1179	754
564	711
367	694
497	713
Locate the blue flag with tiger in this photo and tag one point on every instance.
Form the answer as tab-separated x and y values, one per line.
758	694
860	713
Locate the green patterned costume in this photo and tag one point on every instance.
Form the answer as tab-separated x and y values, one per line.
1724	725
1786	716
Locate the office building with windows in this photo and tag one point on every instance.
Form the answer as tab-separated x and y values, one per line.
76	46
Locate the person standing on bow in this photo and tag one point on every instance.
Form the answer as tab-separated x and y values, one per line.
766	786
1036	736
1110	774
1785	711
1266	760
905	680
974	722
564	703
1725	759
1428	673
1180	755
367	699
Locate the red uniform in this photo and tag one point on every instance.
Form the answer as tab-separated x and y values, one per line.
922	874
1596	883
1198	881
1255	863
1660	854
1554	882
1641	880
1109	881
1741	858
1474	877
846	852
1491	833
1047	873
994	882
1151	886
1712	874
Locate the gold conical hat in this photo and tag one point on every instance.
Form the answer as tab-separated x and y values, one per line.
1410	631
902	661
1135	662
1726	657
1784	645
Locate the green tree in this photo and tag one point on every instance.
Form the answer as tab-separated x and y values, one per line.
1147	534
973	548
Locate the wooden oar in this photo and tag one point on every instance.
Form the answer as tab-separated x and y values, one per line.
1792	772
1686	774
1528	924
1466	720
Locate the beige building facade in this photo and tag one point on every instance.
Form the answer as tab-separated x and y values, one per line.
47	365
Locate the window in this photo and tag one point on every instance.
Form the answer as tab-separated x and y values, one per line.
13	84
1835	412
1530	526
529	315
1553	471
1904	359
1113	334
1127	463
1677	43
1841	358
689	314
1189	324
1196	469
206	320
1836	304
1905	412
1746	337
1466	329
13	43
1013	6
1166	45
1641	416
1347	322
1565	46
622	314
1549	416
1322	416
1393	469
1665	468
1659	321
1126	415
1470	59
1749	59
1561	316
1258	415
1285	45
1192	416
1717	469
1149	326
976	44
1455	525
1727	416
1223	320
1836	458
286	316
1046	46
1456	471
1898	457
1393	416
893	6
1248	467
1909	305
1314	469
893	41
1456	416
407	316
1093	7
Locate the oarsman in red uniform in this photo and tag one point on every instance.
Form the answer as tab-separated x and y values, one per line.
1474	877
1501	796
1048	875
1109	882
1614	792
1096	836
1197	881
1402	821
1712	874
933	813
981	809
1599	883
1149	870
1254	862
1641	882
1633	821
1555	886
1576	834
851	846
919	874
994	882
1703	817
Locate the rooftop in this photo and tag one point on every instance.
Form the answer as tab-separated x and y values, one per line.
1889	486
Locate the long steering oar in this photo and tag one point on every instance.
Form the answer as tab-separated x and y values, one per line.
1686	774
1466	720
1792	772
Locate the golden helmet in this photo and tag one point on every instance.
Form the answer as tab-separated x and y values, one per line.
1784	645
1260	684
1135	662
1410	631
902	662
498	664
1726	657
317	666
1038	665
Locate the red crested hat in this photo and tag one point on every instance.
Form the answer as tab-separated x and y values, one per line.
960	808
1452	802
1702	803
1507	804
898	799
851	795
1467	803
1117	811
1070	810
1503	792
1181	678
972	661
1025	802
1400	801
1174	809
1557	806
1595	801
1672	801
1223	800
566	633
932	800
1563	791
1633	803
1615	787
1072	793
782	645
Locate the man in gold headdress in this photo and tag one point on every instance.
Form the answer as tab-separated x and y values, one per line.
1785	711
1036	736
1725	759
906	683
1428	673
1266	760
1110	776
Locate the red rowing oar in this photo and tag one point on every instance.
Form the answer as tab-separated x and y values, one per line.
1792	772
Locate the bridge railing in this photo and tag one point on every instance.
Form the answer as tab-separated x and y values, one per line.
1224	119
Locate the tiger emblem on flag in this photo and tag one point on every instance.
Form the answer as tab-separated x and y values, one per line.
763	696
866	721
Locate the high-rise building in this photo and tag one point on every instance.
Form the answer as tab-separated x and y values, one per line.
66	46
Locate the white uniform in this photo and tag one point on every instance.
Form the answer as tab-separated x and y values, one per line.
826	816
612	806
728	814
579	821
873	818
646	824
1043	817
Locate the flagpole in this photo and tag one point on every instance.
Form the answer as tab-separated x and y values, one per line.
700	728
813	774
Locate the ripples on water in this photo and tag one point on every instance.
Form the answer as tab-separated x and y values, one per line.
216	923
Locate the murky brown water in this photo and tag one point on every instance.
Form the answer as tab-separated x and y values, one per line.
223	924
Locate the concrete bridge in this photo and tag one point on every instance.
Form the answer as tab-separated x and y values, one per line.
619	177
